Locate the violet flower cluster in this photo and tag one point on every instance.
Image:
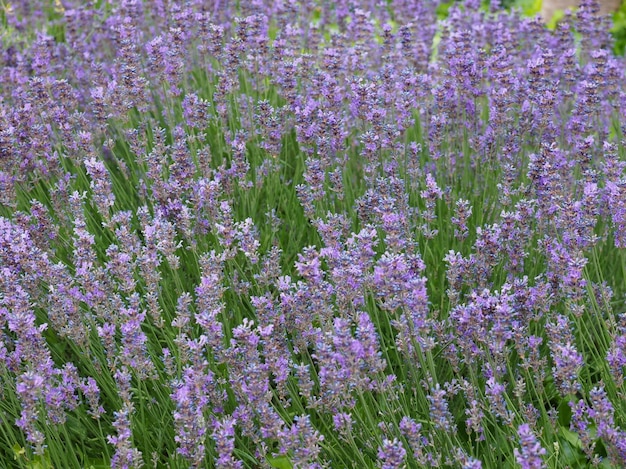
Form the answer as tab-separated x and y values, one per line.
310	234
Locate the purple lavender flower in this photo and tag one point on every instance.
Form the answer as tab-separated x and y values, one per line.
303	441
615	192
580	425
391	455
189	417
125	456
309	265
343	422
247	235
347	363
439	414
30	387
568	363
249	379
418	443
616	355
90	390
224	436
529	456
601	413
463	212
496	396
100	185
133	351
192	102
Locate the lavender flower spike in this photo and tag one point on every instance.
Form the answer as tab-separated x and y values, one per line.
530	456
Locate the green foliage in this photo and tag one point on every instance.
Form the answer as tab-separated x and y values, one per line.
619	29
442	9
20	455
473	179
528	7
281	462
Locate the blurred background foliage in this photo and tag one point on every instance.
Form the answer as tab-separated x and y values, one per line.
619	29
533	7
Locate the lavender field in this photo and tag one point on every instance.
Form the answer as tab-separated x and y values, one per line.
310	234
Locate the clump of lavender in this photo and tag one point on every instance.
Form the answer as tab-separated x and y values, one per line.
391	455
530	454
463	212
302	441
310	234
602	414
224	435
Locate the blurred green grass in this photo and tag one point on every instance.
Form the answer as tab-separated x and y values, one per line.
533	7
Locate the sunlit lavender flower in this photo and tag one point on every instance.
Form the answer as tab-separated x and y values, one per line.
568	363
134	353
100	185
126	456
529	456
496	396
303	441
439	414
90	390
460	219
601	413
190	396
418	443
616	355
224	436
391	455
580	424
247	235
343	422
30	389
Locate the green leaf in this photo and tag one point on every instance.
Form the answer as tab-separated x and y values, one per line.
38	465
619	29
565	412
280	462
558	15
442	10
571	437
606	464
532	7
39	462
97	464
18	451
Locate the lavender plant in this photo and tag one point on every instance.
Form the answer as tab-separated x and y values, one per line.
310	234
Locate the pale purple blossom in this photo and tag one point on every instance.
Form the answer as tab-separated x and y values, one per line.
530	454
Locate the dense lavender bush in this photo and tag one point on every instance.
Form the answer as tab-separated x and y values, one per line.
310	234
